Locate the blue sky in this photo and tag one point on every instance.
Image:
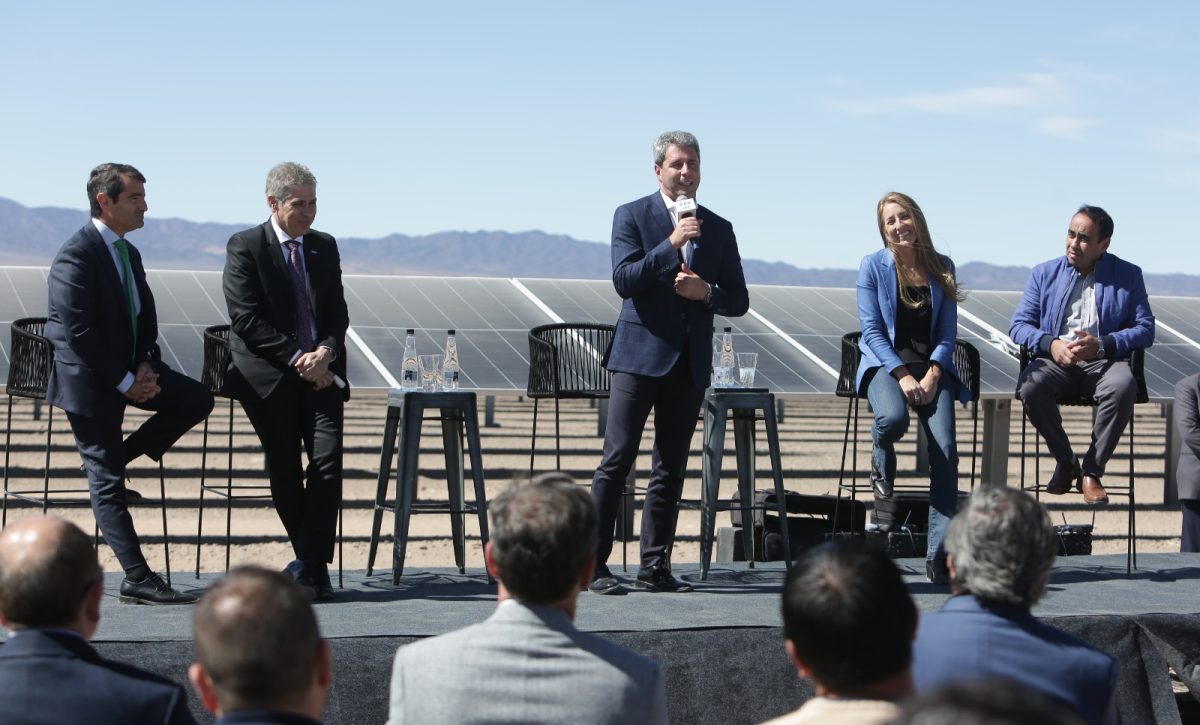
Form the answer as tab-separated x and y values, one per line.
999	118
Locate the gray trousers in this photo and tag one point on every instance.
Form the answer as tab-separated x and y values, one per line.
1044	383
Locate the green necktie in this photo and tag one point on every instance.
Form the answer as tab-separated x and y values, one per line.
123	250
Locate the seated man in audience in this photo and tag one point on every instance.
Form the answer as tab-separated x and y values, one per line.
50	589
259	655
527	662
849	624
999	551
1082	315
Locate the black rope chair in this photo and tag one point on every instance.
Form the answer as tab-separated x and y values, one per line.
966	362
1137	365
565	362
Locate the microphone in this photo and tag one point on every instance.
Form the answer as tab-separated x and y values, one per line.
684	207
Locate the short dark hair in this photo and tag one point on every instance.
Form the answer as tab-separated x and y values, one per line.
256	637
994	701
543	532
1100	218
848	615
109	179
47	590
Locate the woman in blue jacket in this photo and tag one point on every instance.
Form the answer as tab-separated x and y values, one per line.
908	309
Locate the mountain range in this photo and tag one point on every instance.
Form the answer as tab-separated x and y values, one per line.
31	236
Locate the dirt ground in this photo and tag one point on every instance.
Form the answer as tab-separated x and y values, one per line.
811	435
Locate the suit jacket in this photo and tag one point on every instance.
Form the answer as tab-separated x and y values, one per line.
970	640
56	677
877	315
88	324
1126	322
655	322
524	664
1187	418
262	308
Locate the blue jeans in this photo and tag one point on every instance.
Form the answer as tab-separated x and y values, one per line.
891	423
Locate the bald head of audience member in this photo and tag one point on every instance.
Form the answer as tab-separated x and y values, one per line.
543	541
49	577
849	622
258	647
1001	547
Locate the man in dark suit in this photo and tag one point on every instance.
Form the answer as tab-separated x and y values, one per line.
287	311
1000	550
104	329
1187	472
672	277
259	655
50	590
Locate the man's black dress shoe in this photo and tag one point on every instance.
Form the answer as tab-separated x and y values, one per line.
883	487
603	582
300	573
937	572
660	580
153	590
1064	479
320	577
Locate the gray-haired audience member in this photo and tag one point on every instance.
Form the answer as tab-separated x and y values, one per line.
259	655
50	589
985	702
527	662
849	623
1000	552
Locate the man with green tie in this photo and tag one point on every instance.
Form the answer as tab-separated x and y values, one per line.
104	329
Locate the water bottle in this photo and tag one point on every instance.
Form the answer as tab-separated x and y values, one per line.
450	363
716	361
410	376
727	357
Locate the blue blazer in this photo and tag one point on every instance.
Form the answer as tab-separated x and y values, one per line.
1126	322
877	317
654	322
968	639
88	324
52	676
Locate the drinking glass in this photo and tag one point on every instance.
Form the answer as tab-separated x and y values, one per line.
431	372
747	363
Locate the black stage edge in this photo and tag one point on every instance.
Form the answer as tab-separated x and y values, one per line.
721	646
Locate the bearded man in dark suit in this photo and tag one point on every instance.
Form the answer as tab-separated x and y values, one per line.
288	319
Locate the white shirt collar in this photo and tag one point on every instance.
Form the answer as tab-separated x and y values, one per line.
282	235
108	235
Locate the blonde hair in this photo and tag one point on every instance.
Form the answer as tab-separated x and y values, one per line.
927	256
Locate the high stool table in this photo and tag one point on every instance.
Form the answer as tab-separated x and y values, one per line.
743	406
405	414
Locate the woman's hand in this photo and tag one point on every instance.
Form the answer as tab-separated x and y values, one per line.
929	384
914	395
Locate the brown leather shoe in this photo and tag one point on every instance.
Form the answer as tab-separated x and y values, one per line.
1064	479
1093	492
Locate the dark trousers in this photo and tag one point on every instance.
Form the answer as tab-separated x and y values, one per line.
1190	539
676	403
1111	382
181	404
295	415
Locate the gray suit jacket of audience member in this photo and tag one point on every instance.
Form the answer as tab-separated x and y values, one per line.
524	664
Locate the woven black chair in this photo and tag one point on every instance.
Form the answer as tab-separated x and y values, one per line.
966	362
1137	365
565	362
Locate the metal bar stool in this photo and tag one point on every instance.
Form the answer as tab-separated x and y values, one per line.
1137	365
405	415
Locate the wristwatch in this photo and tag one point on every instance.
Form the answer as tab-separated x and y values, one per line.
1100	348
708	297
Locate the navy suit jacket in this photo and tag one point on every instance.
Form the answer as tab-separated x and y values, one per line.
88	324
57	677
655	322
970	640
262	308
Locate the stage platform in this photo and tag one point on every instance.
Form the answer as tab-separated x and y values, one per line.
721	646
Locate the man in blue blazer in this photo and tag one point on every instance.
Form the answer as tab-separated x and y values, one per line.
1082	315
673	271
50	590
1000	551
104	328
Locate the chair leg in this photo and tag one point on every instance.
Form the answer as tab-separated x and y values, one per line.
7	449
162	490
533	438
46	463
1131	545
200	511
975	440
842	472
557	439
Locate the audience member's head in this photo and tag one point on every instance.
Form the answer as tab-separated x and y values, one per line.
543	539
984	702
1001	547
258	647
849	621
49	576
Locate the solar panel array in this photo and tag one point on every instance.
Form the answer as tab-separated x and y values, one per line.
796	331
